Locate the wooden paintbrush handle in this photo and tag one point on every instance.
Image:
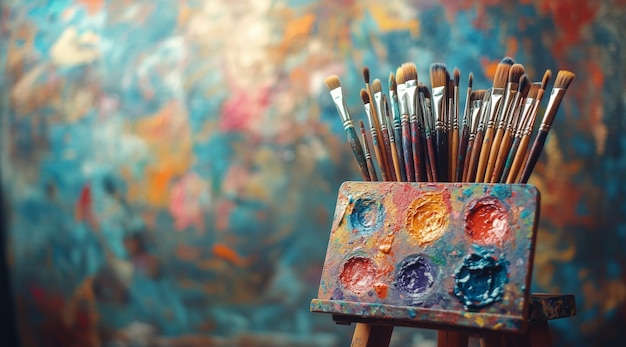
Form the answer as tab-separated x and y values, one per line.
431	157
466	162
416	147
502	155
535	153
407	151
473	163
442	160
391	173
509	160
518	161
454	155
357	150
379	157
484	154
493	154
460	163
397	130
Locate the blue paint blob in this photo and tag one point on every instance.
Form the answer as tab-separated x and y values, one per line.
501	191
480	280
415	275
367	215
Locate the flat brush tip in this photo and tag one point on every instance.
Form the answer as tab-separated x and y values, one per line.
457	76
400	76
365	97
515	73
470	80
361	125
524	85
366	75
376	86
508	61
502	75
410	71
534	89
392	82
438	73
546	78
563	79
332	82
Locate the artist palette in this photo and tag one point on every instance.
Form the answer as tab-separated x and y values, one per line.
436	253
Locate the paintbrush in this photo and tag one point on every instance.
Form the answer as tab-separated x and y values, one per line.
511	167
377	91
376	125
465	131
396	124
449	114
392	142
475	111
407	151
410	81
334	86
478	139
561	83
439	83
454	155
515	73
512	123
366	151
495	108
430	159
371	119
522	153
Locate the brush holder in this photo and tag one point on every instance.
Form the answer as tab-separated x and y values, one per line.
431	254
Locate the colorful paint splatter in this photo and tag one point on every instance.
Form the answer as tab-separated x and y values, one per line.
170	168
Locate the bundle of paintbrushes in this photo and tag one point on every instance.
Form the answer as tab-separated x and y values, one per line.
418	134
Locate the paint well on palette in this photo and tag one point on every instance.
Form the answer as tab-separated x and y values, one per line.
480	280
415	275
358	274
486	221
367	215
427	217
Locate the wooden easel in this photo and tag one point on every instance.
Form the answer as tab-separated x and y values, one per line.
373	225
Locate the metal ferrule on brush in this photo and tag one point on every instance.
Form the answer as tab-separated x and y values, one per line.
455	119
525	115
508	106
555	99
342	109
378	102
495	106
395	117
515	112
438	98
411	90
404	111
475	117
370	119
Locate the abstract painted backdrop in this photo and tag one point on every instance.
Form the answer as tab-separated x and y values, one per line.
170	168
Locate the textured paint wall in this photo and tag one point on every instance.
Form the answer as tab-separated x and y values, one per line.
170	167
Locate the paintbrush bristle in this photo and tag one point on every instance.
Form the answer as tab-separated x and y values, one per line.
365	97
563	79
515	73
508	61
393	87
361	124
478	94
546	78
438	77
502	74
376	86
457	76
410	72
534	89
366	75
470	80
400	75
524	86
332	82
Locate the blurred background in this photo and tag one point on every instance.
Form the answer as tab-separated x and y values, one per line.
170	168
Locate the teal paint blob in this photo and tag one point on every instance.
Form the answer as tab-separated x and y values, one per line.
480	280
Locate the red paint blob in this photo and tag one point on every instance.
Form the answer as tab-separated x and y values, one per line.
487	221
358	274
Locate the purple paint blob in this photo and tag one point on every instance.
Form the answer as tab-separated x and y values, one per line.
358	274
415	275
480	280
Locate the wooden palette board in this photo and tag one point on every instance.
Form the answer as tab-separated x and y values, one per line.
456	254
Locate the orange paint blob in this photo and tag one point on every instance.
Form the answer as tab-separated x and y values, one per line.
427	217
381	290
229	254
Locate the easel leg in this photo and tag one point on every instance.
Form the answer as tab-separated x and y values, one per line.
368	335
451	338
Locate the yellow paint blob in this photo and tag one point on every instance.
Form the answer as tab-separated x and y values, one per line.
427	217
